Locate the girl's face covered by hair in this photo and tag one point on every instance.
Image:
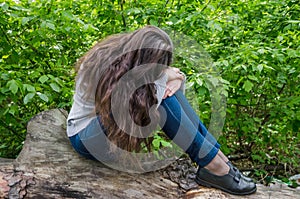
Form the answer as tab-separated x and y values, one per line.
125	67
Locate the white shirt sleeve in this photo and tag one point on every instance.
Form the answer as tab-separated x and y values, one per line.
161	84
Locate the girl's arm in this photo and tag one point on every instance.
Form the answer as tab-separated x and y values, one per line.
175	81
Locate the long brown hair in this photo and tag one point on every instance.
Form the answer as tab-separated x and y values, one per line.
140	56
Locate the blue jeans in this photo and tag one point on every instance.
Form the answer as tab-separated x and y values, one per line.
183	126
180	123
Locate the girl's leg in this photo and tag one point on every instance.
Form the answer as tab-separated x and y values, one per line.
213	171
181	129
195	118
87	141
79	147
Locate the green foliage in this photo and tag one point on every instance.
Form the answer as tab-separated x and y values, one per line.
253	44
159	142
40	43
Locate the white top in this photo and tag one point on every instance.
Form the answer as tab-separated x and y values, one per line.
83	111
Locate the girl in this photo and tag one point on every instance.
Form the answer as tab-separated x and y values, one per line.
124	88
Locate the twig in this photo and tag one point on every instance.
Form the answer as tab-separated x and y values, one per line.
205	6
238	156
6	37
122	13
162	14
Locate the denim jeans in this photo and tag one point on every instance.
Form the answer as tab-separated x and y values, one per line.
180	123
183	126
79	146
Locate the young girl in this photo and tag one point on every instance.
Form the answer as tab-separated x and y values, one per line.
125	87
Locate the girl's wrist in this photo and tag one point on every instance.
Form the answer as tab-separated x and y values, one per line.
172	74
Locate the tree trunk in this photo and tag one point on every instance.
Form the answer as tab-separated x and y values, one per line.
48	167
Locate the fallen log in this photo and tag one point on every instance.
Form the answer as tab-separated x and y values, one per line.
54	170
48	167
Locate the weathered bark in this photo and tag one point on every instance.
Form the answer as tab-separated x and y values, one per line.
48	167
59	172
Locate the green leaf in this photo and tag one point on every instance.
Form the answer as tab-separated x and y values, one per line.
25	20
165	143
50	25
156	143
47	24
153	22
43	97
67	14
199	81
260	67
293	21
55	87
43	78
29	87
247	86
225	63
4	6
214	81
13	109
252	78
292	53
261	51
13	86
28	97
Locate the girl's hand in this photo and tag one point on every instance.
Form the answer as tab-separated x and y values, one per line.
173	73
171	87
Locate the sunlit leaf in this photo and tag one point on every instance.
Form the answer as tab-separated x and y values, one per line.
55	87
28	97
43	79
13	86
29	87
43	97
248	86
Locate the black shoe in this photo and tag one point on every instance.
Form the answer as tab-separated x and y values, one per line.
239	173
230	183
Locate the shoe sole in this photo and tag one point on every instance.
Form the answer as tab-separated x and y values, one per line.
210	185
